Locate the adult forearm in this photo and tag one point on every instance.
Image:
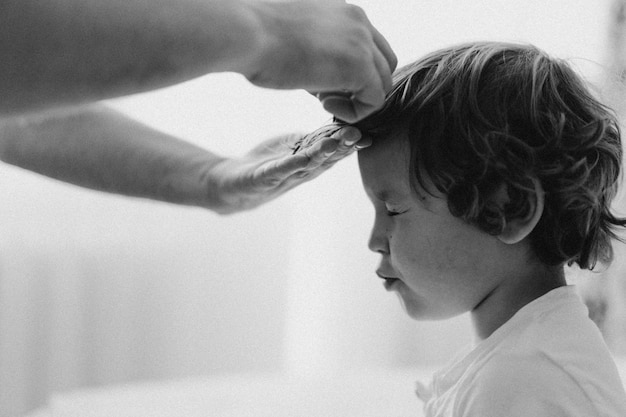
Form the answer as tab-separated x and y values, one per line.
58	52
101	149
67	51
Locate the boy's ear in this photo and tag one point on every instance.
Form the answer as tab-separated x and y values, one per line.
516	229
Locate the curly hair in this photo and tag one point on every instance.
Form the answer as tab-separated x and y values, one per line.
481	115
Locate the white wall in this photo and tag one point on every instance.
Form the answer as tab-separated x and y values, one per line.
100	289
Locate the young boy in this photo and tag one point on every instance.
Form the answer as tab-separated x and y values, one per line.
492	167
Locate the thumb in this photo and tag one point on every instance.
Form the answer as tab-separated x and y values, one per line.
340	106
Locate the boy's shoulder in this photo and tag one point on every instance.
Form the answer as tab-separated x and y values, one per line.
554	333
522	385
550	355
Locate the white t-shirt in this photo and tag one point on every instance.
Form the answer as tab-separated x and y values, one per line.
548	360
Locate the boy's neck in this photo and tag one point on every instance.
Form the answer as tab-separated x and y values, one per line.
511	295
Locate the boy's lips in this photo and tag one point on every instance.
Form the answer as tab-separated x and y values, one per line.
389	280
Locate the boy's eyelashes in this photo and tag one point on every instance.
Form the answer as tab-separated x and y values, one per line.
392	213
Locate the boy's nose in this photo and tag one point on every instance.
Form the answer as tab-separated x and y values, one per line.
378	241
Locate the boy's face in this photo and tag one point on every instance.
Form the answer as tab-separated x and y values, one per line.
442	266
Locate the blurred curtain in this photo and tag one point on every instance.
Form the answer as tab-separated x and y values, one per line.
181	292
605	291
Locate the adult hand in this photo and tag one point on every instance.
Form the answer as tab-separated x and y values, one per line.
328	48
278	165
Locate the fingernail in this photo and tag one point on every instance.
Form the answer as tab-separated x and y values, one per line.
363	143
329	148
351	136
351	141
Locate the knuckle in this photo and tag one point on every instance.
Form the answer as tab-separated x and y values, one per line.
354	68
259	79
270	182
357	13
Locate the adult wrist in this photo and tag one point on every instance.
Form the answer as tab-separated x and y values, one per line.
250	37
269	38
210	185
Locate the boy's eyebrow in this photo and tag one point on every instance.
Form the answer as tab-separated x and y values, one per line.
385	194
381	195
393	195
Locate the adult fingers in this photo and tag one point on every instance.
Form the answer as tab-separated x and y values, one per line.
385	59
385	49
353	106
344	142
369	99
363	143
384	71
322	155
308	159
323	132
369	96
348	138
319	152
340	105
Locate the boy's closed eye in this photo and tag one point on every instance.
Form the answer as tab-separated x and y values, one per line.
394	212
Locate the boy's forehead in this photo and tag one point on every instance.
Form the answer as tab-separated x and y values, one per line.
384	168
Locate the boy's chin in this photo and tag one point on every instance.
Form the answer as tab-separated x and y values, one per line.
413	311
418	312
